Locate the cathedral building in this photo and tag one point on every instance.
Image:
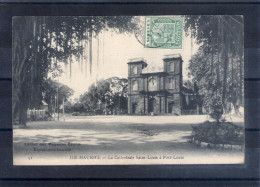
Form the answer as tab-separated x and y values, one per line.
160	92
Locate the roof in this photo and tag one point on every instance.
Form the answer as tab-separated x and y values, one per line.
177	55
138	60
151	69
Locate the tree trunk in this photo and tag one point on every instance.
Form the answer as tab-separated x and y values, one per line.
218	50
225	68
85	57
90	51
70	59
97	58
81	57
241	66
22	29
212	65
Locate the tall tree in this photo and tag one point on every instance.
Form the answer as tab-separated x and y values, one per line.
40	44
111	93
51	92
220	37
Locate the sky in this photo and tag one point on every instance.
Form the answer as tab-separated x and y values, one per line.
115	50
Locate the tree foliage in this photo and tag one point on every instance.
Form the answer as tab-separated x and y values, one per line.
109	94
40	44
216	107
217	66
55	94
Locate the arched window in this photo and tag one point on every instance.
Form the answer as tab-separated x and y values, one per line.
172	83
135	86
172	66
135	70
152	85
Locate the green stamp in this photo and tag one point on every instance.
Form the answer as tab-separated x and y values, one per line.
163	32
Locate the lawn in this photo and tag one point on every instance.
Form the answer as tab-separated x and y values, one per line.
116	140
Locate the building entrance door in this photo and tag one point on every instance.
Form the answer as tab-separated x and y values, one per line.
151	104
170	108
134	108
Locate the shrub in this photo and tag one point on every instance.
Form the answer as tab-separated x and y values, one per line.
224	133
75	113
216	108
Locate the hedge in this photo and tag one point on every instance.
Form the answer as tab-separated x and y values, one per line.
218	133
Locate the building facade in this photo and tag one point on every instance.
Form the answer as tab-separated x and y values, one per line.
158	92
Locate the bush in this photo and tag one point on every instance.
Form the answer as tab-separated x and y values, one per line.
75	113
223	133
99	112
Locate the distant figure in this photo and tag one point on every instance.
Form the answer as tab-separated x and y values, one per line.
141	113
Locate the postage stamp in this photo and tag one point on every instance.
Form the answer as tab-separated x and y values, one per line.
163	32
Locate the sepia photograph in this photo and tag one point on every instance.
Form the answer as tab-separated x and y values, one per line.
128	90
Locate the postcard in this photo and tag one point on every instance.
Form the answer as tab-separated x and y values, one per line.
128	90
